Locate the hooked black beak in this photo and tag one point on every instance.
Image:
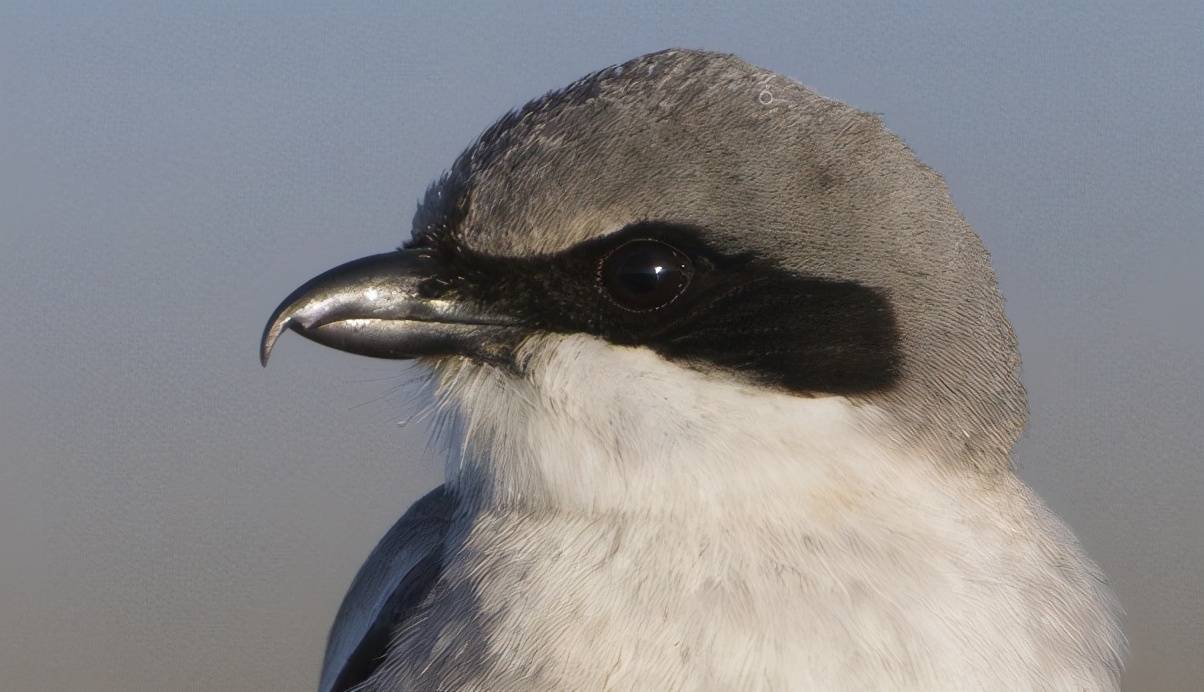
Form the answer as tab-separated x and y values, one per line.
374	306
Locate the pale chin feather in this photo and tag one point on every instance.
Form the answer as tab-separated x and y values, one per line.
595	427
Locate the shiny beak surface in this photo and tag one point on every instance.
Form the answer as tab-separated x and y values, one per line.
374	306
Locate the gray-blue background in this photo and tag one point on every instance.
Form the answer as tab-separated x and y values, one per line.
172	517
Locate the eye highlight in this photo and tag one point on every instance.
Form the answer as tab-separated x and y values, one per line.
644	275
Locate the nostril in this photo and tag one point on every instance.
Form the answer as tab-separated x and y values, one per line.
433	287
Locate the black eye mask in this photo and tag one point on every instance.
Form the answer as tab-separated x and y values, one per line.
661	286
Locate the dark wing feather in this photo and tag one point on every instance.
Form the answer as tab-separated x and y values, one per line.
397	575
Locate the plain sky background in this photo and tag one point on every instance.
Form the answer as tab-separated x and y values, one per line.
173	517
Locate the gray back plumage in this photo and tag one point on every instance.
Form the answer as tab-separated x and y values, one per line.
389	586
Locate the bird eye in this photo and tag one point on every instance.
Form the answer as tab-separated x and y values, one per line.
645	275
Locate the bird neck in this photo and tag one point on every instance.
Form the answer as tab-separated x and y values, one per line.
633	434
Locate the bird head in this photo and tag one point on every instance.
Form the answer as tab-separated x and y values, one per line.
687	275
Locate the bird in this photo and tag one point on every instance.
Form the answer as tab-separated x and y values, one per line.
734	398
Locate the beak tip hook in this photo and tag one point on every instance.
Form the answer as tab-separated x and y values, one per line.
270	335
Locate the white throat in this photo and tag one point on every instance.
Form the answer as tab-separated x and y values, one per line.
725	517
597	428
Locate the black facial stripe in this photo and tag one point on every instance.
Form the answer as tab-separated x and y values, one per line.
806	335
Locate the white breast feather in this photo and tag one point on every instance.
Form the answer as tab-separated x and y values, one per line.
669	529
